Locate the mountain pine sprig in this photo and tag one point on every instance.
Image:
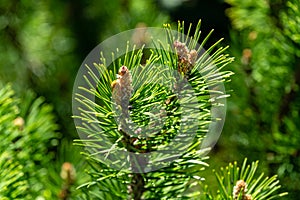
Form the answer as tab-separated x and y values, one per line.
168	114
244	183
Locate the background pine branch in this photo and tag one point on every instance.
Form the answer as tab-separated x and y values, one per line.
23	165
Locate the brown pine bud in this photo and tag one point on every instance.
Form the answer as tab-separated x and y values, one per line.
247	55
68	173
19	122
241	188
186	58
122	87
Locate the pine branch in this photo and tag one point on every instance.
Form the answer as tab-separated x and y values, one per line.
160	106
243	183
26	131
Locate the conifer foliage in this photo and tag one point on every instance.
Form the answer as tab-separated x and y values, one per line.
266	42
26	132
161	97
143	134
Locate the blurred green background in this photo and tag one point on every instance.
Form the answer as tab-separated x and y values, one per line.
42	45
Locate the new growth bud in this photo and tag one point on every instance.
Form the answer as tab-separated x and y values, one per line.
19	122
122	88
121	92
186	58
68	173
240	189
